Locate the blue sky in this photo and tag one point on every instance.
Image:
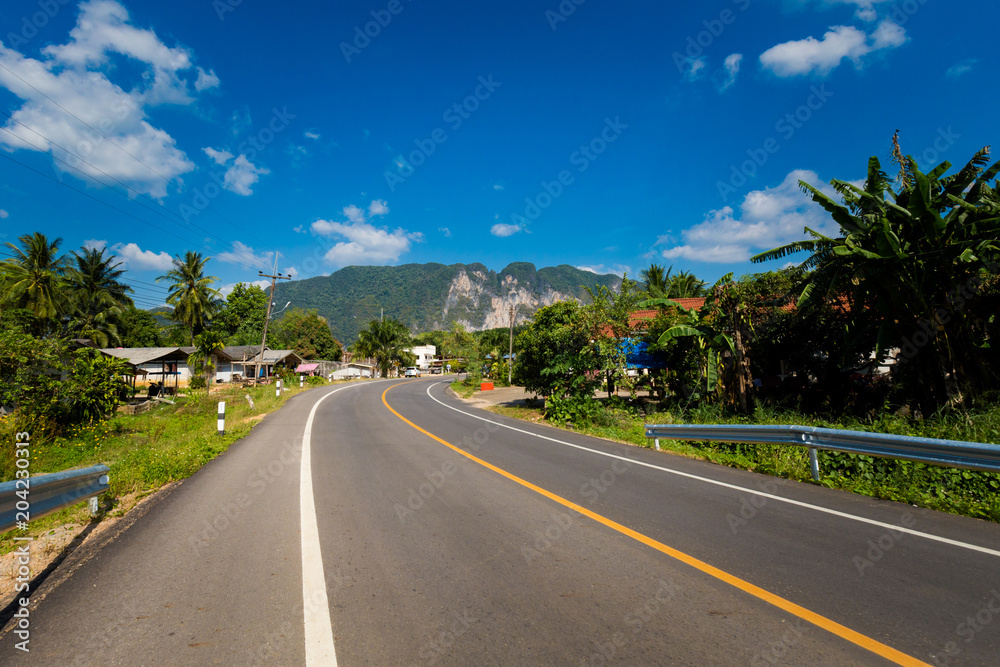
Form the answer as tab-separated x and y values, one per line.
599	134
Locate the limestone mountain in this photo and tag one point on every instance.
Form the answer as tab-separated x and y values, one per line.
432	296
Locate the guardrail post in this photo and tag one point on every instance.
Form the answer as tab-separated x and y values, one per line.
656	443
222	417
94	507
814	463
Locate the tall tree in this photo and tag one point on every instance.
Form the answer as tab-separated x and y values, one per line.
242	316
657	281
607	318
207	344
190	293
138	328
308	334
916	268
33	279
98	297
385	342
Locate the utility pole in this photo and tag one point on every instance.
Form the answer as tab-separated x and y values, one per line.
510	355
270	301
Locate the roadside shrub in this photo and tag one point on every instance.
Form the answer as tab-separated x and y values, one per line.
197	382
580	411
315	381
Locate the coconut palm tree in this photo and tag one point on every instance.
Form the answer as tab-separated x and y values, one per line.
385	342
657	281
33	279
97	295
191	294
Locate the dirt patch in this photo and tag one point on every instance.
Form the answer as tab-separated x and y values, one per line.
253	418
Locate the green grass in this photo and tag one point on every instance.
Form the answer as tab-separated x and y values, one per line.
144	452
462	389
969	493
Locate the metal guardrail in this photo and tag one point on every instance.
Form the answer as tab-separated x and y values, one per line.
952	453
34	497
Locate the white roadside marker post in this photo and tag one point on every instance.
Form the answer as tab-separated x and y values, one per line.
222	417
300	382
277	389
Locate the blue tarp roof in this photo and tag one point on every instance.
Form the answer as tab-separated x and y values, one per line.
638	355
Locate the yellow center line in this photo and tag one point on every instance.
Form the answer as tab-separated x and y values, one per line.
831	626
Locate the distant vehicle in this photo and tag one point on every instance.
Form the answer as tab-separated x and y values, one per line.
412	372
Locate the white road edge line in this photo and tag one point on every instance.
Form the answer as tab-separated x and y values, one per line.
799	503
320	650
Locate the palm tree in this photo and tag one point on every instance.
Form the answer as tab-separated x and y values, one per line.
208	344
191	294
33	279
98	297
904	264
685	285
385	342
657	281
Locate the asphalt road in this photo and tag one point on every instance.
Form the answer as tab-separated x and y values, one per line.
452	536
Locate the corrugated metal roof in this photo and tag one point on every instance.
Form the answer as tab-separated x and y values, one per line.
147	355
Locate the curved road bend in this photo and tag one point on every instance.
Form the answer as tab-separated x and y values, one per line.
453	536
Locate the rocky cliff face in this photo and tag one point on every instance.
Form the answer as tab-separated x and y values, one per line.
477	302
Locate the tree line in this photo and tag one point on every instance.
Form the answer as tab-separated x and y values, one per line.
910	285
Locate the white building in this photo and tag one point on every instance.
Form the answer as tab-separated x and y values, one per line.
425	356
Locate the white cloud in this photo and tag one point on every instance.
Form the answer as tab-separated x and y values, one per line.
220	157
961	68
695	68
365	243
821	56
245	255
4	214
311	135
603	269
445	231
768	218
497	186
299	229
92	244
139	259
206	80
503	230
732	69
83	76
227	289
241	177
865	8
292	271
241	121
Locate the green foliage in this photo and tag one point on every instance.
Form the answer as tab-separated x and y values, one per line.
138	328
33	280
315	381
52	387
207	345
556	354
607	318
308	334
198	382
916	268
385	342
242	316
575	409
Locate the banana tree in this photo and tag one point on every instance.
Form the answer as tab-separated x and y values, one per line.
910	265
704	328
